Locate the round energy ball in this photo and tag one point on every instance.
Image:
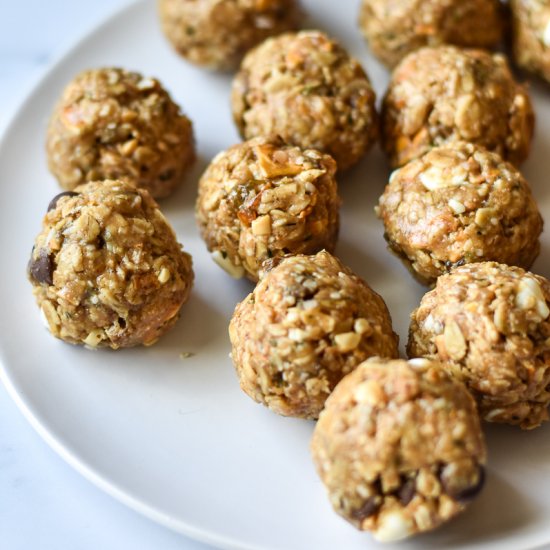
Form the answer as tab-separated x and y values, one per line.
307	89
531	35
106	268
394	28
309	322
399	447
490	324
264	199
217	33
115	124
444	94
459	204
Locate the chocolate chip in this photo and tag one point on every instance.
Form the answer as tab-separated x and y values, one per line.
471	492
41	268
468	493
53	202
369	508
406	492
167	174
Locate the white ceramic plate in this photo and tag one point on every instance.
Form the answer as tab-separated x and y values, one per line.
176	439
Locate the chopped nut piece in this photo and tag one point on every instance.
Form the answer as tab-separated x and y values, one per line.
457	207
454	341
271	168
370	393
347	341
95	338
530	296
393	526
261	226
437	177
483	216
362	326
164	275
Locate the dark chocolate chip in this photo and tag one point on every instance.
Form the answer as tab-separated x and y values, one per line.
468	493
471	492
41	268
369	508
53	202
406	492
167	174
451	265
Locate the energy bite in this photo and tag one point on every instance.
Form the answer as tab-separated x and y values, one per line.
106	268
307	89
490	324
399	447
531	35
458	204
445	94
394	28
217	33
113	124
309	322
264	199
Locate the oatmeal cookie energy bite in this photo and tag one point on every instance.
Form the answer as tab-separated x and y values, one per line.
307	89
309	322
531	38
459	204
395	28
217	33
106	268
263	199
445	94
490	324
399	447
113	124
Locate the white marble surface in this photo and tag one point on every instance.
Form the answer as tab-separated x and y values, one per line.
44	504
